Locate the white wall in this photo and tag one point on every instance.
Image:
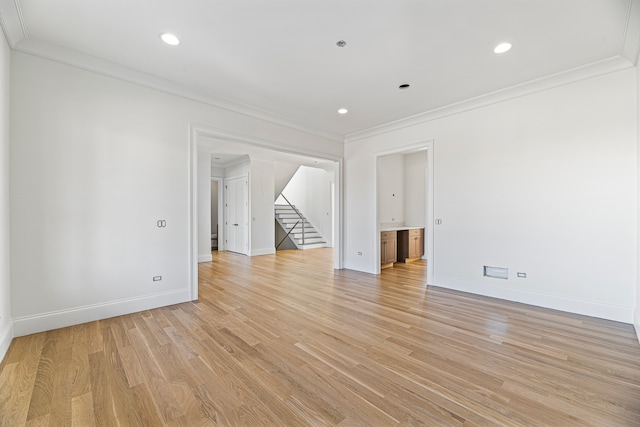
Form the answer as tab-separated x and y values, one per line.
310	191
284	171
391	190
262	212
637	310
415	167
204	207
544	184
95	163
239	169
401	189
217	172
6	333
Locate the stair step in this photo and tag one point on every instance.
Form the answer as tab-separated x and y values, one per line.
307	235
290	221
311	240
312	246
289	215
307	229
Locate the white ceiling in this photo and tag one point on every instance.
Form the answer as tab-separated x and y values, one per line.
278	59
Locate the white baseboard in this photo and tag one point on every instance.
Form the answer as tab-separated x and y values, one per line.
571	305
6	335
636	322
59	319
265	251
205	258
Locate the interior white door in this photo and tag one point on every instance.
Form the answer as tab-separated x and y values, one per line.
237	215
230	216
242	216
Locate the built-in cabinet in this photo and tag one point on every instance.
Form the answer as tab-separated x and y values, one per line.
401	245
388	248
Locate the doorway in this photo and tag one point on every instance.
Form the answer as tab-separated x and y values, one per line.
236	218
209	140
385	214
217	203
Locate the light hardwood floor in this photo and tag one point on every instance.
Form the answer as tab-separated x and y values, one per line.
285	340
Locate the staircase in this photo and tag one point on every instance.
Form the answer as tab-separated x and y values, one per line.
287	218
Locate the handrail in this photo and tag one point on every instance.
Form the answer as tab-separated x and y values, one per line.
299	214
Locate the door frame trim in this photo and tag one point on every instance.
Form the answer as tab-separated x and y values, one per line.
197	131
429	201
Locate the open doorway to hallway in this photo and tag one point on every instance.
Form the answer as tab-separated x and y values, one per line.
267	171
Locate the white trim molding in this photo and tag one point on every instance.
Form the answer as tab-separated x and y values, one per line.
197	131
636	322
199	94
265	251
595	69
631	44
205	258
12	22
429	255
59	319
6	335
554	302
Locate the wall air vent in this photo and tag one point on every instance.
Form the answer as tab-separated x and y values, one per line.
496	272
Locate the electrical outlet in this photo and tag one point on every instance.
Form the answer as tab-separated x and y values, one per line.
157	278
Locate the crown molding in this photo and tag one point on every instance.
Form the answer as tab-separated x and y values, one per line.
112	69
631	43
595	69
198	130
15	32
11	22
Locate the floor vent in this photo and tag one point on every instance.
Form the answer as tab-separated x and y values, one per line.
496	272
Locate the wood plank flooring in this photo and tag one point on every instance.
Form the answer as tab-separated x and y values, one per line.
285	340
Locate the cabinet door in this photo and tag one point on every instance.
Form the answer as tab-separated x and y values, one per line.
391	248
416	243
388	247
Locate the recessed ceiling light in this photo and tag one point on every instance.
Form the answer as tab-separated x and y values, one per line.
170	39
343	111
502	47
